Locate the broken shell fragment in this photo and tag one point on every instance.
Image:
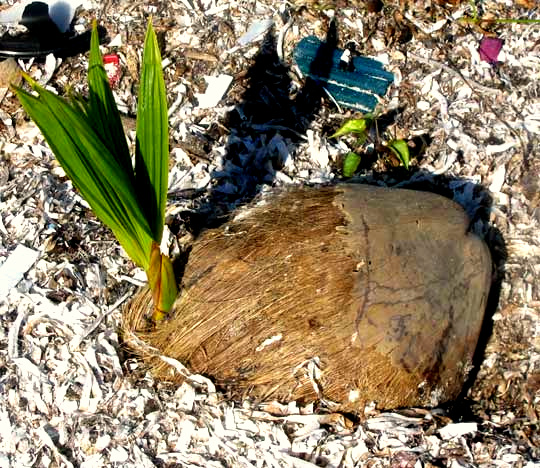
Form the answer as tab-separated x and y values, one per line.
350	293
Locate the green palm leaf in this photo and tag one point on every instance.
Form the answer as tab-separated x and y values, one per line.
152	147
102	110
94	170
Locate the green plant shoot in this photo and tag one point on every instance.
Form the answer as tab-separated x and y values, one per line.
360	128
88	141
401	150
351	163
355	126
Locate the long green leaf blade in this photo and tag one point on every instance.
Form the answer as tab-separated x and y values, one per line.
93	169
152	148
102	110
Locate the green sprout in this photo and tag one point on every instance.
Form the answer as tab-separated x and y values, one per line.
88	141
351	163
360	129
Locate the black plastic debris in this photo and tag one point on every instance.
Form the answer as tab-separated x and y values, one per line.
354	82
43	37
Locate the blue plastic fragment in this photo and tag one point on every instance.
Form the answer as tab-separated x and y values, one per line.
356	86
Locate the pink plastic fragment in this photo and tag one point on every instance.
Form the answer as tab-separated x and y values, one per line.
111	62
489	49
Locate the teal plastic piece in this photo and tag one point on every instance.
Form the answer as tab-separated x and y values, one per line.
356	86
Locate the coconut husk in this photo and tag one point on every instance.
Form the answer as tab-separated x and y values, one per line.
349	293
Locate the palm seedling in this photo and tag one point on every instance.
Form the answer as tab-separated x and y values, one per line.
127	194
342	292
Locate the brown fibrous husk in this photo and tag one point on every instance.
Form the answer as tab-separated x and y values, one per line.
349	293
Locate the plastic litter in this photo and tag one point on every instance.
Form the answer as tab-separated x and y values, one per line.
61	12
14	268
111	62
354	82
216	88
255	31
48	24
489	49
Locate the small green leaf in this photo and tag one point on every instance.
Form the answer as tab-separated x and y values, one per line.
350	164
356	126
401	150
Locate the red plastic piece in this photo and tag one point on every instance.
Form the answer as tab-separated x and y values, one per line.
112	68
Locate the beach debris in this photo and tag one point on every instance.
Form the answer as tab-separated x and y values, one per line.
48	25
489	49
14	268
354	82
216	88
61	12
255	31
111	62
